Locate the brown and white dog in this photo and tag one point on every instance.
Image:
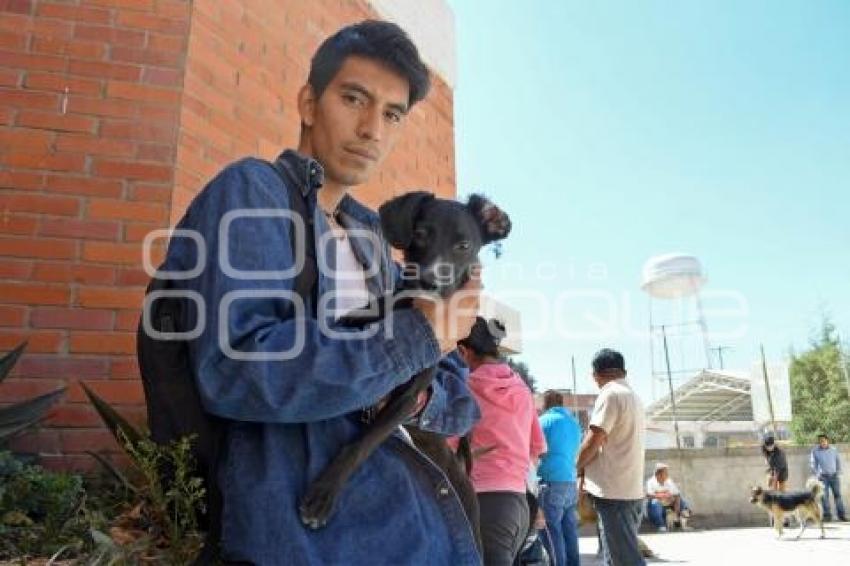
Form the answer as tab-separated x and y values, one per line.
803	505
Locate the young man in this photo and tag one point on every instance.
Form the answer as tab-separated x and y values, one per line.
611	461
557	472
826	465
290	384
662	494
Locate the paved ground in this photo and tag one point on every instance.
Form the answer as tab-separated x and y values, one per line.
745	547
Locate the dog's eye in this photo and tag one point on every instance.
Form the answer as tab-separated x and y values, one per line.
463	246
420	234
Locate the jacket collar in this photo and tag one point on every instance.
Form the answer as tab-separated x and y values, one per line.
305	172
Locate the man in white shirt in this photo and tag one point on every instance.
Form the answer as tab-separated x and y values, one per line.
662	494
611	461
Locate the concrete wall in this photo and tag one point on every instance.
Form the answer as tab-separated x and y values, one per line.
717	482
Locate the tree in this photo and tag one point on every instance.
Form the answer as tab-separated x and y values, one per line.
521	368
819	396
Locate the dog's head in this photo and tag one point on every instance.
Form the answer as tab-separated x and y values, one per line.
756	495
441	238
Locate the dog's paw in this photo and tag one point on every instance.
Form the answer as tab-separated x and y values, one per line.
317	506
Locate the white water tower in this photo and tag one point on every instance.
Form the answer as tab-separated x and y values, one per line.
675	279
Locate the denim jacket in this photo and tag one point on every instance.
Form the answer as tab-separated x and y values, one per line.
288	414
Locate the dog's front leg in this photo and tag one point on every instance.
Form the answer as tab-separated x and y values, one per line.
318	503
802	520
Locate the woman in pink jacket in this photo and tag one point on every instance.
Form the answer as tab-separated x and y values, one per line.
508	439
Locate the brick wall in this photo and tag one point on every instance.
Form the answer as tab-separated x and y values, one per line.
113	114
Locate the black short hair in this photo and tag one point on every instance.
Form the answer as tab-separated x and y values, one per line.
485	337
552	398
384	42
607	359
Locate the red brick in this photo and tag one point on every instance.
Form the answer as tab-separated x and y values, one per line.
46	249
9	77
29	99
38	26
146	93
18	139
151	193
71	318
14	270
46	204
6	116
154	152
74	415
94	146
16	316
133	277
103	107
59	122
110	35
138	130
20	225
135	232
75	13
30	62
152	23
58	83
132	170
16	6
102	252
104	70
38	341
74	273
71	367
124	320
103	343
125	210
167	42
77	228
25	180
108	297
88	186
85	440
37	440
115	392
124	368
46	161
15	390
174	8
147	56
139	5
69	48
160	77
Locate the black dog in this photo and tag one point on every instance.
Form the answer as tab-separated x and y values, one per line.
440	240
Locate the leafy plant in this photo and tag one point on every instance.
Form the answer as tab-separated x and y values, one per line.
20	416
163	524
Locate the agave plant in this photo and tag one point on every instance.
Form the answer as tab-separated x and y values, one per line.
19	416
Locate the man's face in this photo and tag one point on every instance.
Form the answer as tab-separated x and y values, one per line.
824	443
356	121
661	475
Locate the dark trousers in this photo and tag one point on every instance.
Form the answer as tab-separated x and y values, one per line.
504	525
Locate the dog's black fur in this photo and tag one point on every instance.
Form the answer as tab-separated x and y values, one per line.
440	240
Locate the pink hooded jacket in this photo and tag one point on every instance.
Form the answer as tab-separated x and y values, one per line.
509	424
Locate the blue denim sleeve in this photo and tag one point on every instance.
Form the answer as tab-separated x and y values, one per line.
327	376
451	409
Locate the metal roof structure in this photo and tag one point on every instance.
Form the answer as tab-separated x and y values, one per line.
709	396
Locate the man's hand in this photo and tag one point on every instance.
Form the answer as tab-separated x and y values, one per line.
452	318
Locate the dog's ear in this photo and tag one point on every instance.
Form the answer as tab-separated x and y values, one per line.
494	223
398	217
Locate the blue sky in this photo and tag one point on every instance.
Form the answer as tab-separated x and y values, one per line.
615	131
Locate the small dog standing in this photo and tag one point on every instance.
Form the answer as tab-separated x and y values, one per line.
803	504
